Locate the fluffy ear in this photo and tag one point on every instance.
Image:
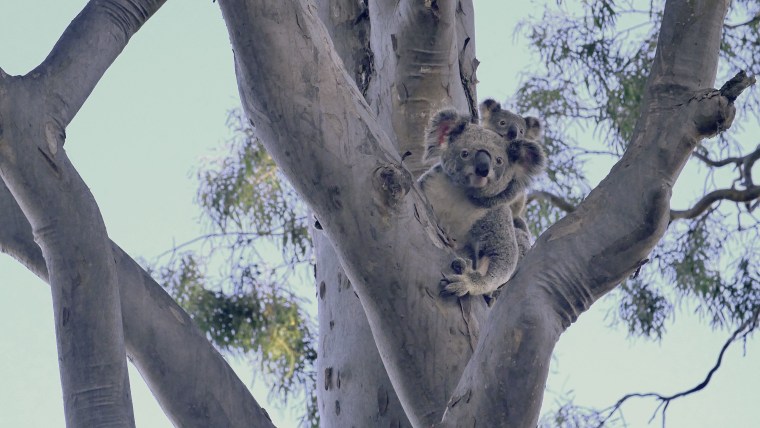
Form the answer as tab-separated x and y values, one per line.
528	157
533	128
487	107
443	125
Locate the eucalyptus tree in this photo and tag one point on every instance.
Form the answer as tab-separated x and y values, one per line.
339	94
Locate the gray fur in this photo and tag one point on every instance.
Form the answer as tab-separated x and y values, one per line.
513	128
466	191
509	125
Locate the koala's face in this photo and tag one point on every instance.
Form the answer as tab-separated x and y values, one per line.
472	156
506	124
509	125
477	160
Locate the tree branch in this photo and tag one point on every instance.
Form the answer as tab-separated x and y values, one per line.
191	381
703	204
751	21
67	224
353	27
734	87
718	163
420	45
553	199
84	52
746	328
588	252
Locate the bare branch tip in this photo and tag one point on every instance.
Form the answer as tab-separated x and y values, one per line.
736	85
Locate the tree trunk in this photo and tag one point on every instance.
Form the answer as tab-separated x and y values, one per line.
339	116
354	388
341	154
322	105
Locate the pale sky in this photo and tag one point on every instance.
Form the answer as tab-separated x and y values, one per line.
161	108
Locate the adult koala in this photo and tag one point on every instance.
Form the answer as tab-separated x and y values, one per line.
475	178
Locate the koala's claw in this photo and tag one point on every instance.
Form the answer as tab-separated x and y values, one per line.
457	285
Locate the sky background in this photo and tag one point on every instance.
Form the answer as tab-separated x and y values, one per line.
160	110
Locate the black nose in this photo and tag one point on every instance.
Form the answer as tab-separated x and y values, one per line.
512	132
482	163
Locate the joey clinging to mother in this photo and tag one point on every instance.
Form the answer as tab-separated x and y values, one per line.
469	189
513	127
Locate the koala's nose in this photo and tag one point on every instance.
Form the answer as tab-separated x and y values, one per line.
512	132
482	163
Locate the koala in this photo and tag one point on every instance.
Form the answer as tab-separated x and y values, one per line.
468	189
507	124
513	127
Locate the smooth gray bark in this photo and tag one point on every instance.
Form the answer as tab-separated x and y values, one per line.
66	222
354	387
339	135
331	144
86	271
358	30
609	235
316	125
191	381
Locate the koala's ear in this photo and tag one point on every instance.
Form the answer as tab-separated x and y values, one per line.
527	156
533	128
487	107
443	126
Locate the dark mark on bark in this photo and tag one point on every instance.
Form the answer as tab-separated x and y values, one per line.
391	183
65	314
50	162
328	378
382	400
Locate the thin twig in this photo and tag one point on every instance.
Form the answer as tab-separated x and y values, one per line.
703	204
555	200
664	400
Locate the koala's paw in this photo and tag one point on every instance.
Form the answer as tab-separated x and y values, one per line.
459	266
457	285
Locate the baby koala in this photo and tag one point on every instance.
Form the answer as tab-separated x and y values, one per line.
512	127
469	189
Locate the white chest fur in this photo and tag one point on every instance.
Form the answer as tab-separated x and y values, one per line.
453	209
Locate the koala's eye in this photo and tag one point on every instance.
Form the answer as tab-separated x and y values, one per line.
499	161
502	122
465	154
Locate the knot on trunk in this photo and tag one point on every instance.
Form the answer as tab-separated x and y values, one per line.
715	109
391	183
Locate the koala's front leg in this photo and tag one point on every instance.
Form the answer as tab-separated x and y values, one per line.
495	252
461	282
522	235
471	281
